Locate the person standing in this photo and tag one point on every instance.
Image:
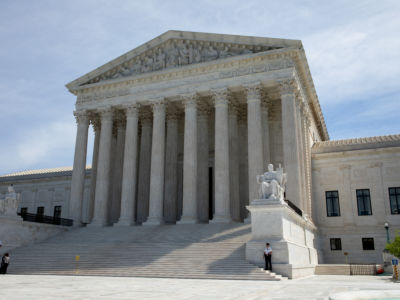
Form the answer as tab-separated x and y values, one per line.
5	261
267	257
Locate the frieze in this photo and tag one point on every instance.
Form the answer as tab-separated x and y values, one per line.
272	66
176	53
102	95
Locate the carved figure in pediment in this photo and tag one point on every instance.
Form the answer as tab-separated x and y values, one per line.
159	60
147	64
172	56
245	50
209	53
136	67
183	55
224	52
194	54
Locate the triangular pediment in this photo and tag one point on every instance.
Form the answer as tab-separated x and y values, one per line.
175	49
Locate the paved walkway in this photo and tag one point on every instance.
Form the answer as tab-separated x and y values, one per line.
86	287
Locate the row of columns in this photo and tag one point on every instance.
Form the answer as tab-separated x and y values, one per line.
162	175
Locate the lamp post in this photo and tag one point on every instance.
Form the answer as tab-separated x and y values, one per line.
387	232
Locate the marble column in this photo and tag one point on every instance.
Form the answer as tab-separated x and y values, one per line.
243	163
157	166
103	169
234	162
189	213
95	158
171	169
265	133
255	139
79	168
222	200
291	159
128	194
118	168
144	168
202	165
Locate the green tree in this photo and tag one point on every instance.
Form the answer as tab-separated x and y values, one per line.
394	247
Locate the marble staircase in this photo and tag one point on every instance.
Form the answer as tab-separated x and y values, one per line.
209	251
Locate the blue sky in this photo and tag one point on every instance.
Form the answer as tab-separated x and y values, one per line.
353	49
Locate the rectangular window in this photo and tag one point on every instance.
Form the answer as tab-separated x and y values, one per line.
40	211
336	244
368	243
57	212
332	204
394	196
24	210
364	202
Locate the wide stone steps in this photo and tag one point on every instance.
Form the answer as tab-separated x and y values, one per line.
208	251
332	269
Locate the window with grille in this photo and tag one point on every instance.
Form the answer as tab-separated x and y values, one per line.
332	204
368	243
336	244
394	196
364	202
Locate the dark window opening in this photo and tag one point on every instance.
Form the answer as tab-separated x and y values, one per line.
332	204
364	202
368	243
336	244
394	196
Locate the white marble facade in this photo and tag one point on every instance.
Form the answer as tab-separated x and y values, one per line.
184	123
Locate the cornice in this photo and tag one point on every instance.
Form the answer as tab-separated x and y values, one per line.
374	142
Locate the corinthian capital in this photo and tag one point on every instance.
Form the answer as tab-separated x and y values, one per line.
158	106
81	117
253	92
131	110
190	101
220	97
288	86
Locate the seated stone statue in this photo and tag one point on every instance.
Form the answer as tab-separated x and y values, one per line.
272	184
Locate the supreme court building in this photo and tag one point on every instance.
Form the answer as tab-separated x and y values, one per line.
183	125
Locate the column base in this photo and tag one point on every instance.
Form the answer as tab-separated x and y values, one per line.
153	221
124	222
97	223
187	220
221	219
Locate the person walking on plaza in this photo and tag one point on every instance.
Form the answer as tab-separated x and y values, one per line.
5	261
267	257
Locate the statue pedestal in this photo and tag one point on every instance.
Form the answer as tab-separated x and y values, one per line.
291	237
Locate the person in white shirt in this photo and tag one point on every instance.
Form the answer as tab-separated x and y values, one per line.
267	257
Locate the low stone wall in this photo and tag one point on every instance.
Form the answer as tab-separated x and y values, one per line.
16	233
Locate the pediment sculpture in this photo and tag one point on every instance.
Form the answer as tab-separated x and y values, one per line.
272	184
175	53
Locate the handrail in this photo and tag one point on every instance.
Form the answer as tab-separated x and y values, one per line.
46	219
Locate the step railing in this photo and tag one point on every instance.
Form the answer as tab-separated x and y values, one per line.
39	218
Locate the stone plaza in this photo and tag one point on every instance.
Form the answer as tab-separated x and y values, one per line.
183	126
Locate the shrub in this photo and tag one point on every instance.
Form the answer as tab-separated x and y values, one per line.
394	247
